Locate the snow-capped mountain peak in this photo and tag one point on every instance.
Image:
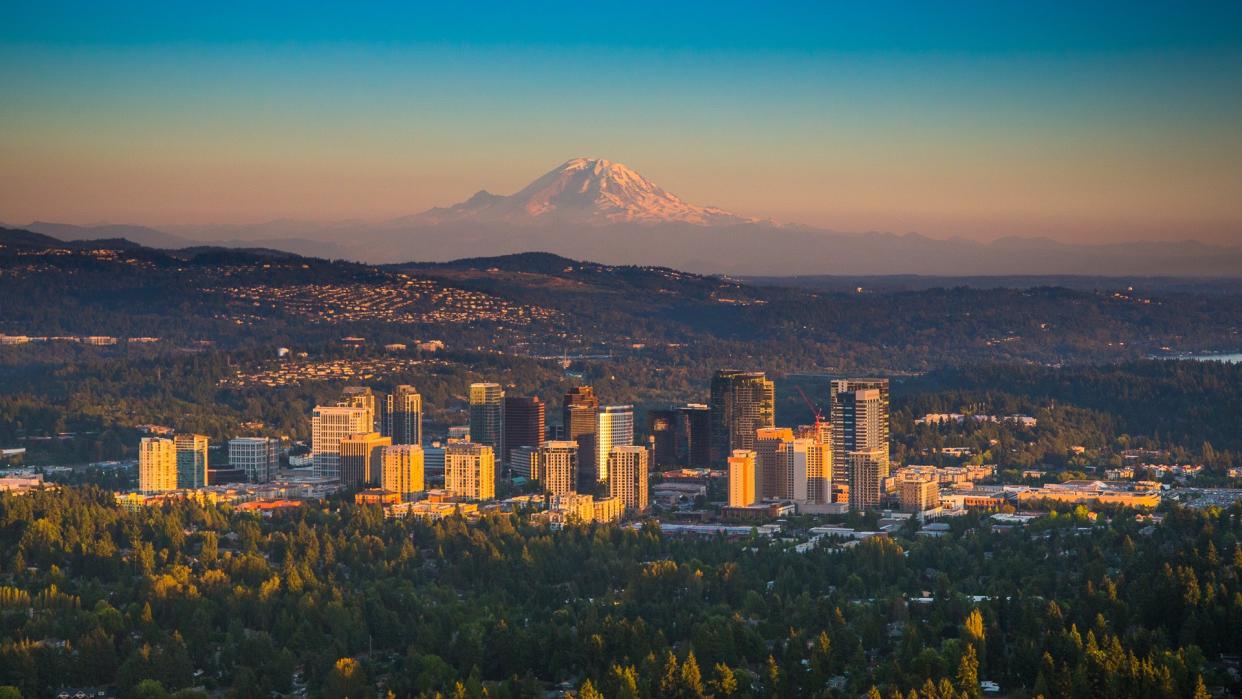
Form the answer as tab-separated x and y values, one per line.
584	191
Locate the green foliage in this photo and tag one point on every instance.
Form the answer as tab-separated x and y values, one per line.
507	607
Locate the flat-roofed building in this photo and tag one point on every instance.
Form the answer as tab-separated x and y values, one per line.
771	474
524	424
866	469
329	425
614	427
742	490
256	456
1144	494
401	469
361	458
860	421
470	471
806	466
628	470
487	415
556	467
918	493
157	465
191	460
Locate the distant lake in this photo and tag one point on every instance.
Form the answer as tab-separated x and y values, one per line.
1235	358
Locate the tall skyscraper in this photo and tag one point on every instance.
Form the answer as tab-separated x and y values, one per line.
191	460
628	469
742	490
859	421
470	470
524	423
682	436
741	402
329	425
365	397
157	465
614	427
361	458
401	469
487	415
257	456
694	429
771	473
662	427
556	467
867	469
403	416
807	467
578	419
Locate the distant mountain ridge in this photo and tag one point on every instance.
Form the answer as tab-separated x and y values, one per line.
595	209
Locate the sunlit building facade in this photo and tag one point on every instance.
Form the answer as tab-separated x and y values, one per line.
401	470
487	415
859	420
403	416
470	471
628	471
157	465
741	403
257	456
329	425
361	458
614	427
191	460
556	467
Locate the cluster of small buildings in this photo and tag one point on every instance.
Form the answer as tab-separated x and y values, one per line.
402	300
958	418
96	340
296	371
21	482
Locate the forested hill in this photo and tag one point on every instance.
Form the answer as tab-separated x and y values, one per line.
542	304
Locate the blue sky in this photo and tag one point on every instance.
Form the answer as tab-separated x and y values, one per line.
1109	120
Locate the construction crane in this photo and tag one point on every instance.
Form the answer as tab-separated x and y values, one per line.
819	415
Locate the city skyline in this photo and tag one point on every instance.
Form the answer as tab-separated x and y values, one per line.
1100	124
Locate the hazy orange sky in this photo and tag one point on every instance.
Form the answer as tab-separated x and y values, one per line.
1101	124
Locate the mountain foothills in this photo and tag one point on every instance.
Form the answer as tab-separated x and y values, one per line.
601	210
545	305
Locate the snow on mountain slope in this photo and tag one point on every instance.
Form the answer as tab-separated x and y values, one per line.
582	191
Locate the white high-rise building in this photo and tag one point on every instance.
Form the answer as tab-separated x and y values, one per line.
329	425
614	427
256	455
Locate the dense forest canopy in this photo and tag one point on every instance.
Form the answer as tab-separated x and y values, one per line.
337	596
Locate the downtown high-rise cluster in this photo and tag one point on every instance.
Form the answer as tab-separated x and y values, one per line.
368	439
